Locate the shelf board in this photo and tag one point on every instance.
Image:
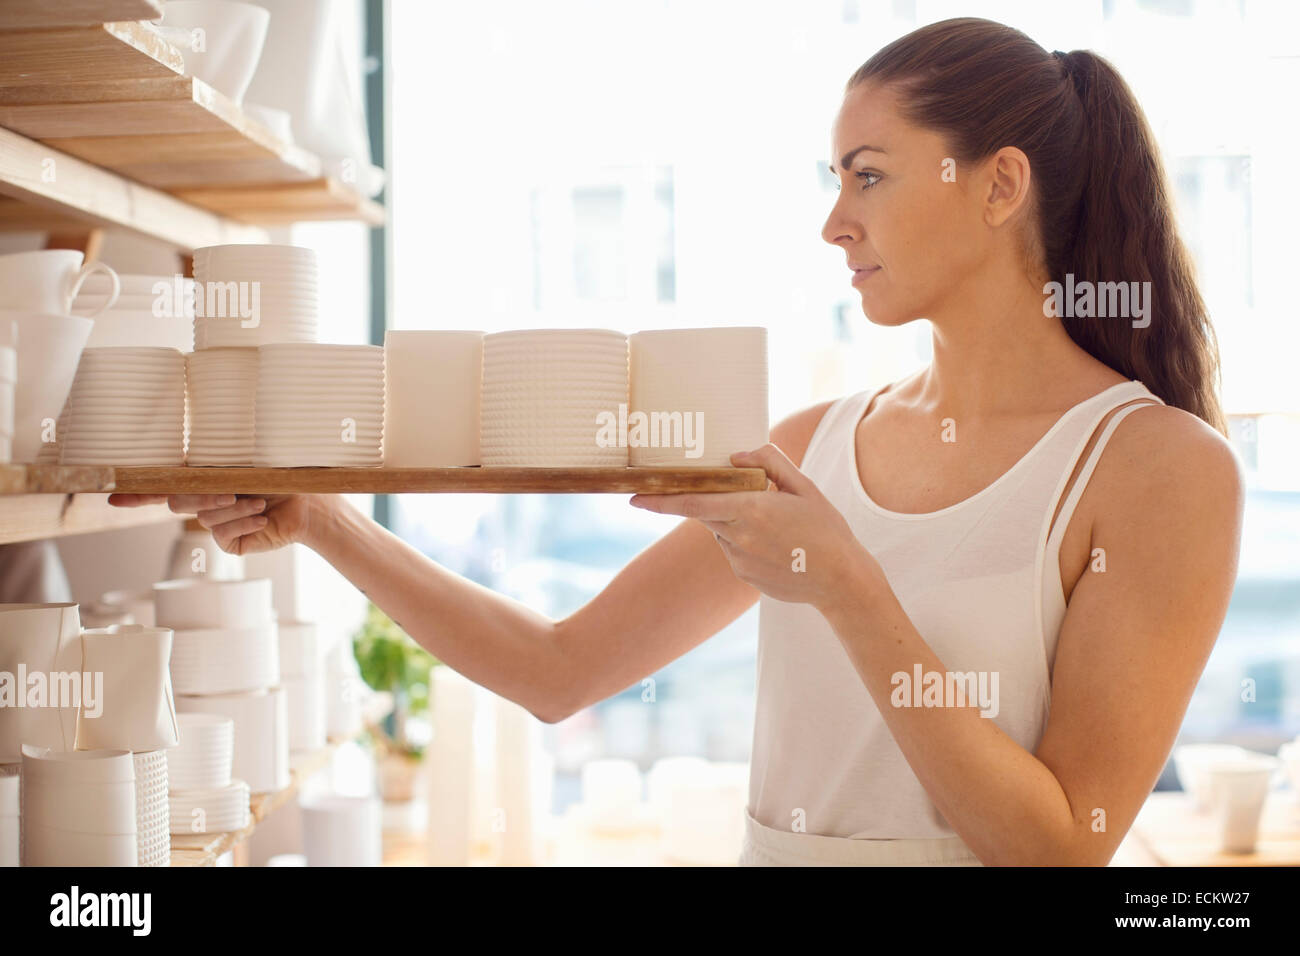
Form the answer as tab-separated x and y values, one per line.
203	849
19	479
52	187
49	14
116	96
30	517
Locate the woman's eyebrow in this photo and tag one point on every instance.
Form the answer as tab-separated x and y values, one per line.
848	157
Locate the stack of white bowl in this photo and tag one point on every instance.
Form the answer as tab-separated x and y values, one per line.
152	311
226	660
126	407
204	798
320	405
221	390
251	295
302	671
717	377
78	808
543	391
8	383
152	811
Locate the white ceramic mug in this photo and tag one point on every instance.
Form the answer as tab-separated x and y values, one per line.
48	280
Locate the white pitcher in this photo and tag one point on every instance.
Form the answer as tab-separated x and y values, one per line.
48	280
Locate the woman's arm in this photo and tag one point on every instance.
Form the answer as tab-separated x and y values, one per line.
668	599
1166	503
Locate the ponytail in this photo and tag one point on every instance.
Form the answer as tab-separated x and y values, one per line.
1101	198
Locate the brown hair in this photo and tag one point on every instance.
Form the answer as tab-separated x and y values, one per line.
1100	196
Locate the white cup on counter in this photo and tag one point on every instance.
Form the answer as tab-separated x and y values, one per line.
1239	789
48	280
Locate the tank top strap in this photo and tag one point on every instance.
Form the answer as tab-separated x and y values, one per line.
1057	519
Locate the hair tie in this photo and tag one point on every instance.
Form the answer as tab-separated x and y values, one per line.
1059	55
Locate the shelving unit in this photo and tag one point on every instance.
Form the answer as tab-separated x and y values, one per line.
100	128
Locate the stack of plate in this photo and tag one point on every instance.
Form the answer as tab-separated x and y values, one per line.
152	811
320	405
261	754
202	760
78	808
714	378
126	407
209	811
543	393
250	295
155	311
221	387
303	675
203	797
223	660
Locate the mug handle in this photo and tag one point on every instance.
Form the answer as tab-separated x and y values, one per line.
89	269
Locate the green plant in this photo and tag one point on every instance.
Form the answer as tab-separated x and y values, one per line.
390	661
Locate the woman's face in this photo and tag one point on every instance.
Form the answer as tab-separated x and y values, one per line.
899	216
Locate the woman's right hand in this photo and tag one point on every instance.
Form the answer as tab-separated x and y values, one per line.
240	525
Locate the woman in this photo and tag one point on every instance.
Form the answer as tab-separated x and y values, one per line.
987	590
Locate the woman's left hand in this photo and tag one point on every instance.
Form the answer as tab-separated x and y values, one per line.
788	541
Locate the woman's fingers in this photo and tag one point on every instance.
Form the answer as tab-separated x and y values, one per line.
194	504
213	518
134	501
228	533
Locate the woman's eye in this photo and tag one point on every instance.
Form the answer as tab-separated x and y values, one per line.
873	177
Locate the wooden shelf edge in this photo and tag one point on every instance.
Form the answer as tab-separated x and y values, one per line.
26	15
39	175
31	517
23	479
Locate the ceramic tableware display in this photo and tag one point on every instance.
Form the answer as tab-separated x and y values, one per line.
48	281
319	405
78	808
152	809
136	711
221	40
39	639
48	350
261	745
251	295
222	389
126	407
153	311
713	381
432	376
543	393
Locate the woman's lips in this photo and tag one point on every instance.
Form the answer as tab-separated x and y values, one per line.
862	275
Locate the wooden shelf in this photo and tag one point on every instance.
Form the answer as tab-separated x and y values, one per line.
114	98
30	517
49	14
203	849
49	190
21	479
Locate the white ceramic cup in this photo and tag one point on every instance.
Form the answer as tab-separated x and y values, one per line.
49	348
48	280
1239	788
232	37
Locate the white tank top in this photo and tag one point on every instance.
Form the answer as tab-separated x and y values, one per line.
981	582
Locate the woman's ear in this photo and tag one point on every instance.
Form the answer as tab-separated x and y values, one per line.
1007	186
